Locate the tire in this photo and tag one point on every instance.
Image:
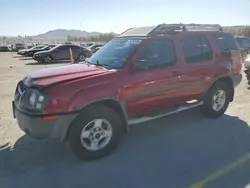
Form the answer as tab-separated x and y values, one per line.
47	59
87	120
216	90
81	57
26	54
248	77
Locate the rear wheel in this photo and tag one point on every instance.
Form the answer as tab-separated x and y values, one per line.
95	133
216	100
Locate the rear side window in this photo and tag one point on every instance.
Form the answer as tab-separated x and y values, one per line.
196	49
63	48
225	42
74	48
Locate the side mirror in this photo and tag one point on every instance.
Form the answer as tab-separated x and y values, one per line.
139	65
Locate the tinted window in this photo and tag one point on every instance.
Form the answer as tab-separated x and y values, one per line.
225	42
196	49
192	49
63	48
158	53
75	48
207	52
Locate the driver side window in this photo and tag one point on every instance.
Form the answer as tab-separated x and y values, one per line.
157	53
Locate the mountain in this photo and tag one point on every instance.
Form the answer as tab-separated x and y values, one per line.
63	34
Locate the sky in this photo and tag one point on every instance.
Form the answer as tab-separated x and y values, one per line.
32	17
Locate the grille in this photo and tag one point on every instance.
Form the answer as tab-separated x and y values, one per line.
22	88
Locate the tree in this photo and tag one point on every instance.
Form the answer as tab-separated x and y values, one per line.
246	31
93	38
69	38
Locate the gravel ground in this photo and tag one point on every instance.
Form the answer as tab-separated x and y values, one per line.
176	151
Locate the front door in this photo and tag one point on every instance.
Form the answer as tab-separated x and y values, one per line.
152	84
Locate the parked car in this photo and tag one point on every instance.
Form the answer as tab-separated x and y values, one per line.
41	48
95	47
244	44
30	45
24	52
4	48
61	52
143	74
247	68
18	46
89	44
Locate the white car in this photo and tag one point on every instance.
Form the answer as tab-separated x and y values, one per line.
247	62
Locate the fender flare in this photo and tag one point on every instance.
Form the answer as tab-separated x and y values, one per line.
122	113
223	79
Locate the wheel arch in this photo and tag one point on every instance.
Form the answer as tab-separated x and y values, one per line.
117	105
228	81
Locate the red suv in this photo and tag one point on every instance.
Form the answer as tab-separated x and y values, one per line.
143	74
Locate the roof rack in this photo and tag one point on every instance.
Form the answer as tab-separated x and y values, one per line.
166	29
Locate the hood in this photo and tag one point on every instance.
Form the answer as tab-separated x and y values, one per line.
46	77
24	50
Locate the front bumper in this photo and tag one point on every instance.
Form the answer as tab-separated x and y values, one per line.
36	127
37	58
236	78
20	53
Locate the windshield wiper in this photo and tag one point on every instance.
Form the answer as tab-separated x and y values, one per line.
102	65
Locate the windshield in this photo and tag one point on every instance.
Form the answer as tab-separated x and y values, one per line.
115	53
54	47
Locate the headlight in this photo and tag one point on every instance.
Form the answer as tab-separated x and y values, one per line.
33	98
37	100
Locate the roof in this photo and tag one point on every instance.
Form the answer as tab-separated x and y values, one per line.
138	31
166	29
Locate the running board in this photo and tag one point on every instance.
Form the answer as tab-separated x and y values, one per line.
142	119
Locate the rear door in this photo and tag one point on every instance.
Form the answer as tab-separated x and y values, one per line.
151	84
197	67
75	50
62	52
229	53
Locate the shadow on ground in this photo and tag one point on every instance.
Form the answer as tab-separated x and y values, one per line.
18	56
175	151
26	58
54	62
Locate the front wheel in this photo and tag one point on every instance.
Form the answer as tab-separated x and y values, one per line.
216	100
47	59
95	132
81	57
